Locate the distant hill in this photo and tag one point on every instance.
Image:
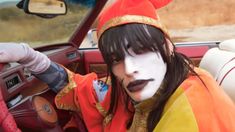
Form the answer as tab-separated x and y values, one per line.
8	4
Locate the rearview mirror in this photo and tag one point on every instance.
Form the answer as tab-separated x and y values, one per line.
44	8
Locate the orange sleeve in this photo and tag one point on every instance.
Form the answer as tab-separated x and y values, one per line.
67	98
80	96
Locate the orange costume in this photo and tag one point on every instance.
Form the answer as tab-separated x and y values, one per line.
193	107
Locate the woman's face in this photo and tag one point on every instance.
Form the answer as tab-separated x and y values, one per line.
140	74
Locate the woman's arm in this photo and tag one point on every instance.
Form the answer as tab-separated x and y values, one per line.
39	64
55	76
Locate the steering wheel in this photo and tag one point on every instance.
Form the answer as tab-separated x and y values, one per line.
7	121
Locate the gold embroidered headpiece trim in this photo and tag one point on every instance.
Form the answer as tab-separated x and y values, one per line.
131	19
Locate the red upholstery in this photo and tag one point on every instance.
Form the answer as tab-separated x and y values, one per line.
193	52
1	66
6	119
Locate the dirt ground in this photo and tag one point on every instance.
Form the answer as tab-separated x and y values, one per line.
205	33
199	20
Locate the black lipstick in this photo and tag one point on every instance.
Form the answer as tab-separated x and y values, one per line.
138	85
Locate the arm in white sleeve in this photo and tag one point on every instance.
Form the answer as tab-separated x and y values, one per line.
35	61
39	64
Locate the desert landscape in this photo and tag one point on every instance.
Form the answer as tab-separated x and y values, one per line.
186	21
199	20
196	20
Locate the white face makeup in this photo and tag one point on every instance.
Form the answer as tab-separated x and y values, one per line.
141	75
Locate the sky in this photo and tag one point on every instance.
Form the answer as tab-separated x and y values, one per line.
1	1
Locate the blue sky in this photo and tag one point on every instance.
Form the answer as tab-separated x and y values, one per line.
1	1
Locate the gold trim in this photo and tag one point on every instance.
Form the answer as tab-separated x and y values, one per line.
131	19
101	109
103	112
107	120
70	86
142	111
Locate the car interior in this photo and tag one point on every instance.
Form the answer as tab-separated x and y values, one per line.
223	67
31	102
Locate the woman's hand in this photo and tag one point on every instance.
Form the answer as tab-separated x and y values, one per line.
12	52
20	52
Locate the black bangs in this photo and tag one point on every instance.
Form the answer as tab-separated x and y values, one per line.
140	38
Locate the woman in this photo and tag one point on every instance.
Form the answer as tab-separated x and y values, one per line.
153	88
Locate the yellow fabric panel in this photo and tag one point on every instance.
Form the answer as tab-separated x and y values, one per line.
178	115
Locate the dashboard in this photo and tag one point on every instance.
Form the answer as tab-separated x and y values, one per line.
17	82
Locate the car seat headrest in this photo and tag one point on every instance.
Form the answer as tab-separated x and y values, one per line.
228	45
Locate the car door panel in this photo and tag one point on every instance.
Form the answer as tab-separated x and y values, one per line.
94	62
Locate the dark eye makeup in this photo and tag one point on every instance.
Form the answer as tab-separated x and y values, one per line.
116	59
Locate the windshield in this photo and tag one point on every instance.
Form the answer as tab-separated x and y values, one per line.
17	26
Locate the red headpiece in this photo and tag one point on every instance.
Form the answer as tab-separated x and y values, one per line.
131	11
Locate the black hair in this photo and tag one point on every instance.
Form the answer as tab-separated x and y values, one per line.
142	37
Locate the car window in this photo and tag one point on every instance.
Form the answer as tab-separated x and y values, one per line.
194	21
17	26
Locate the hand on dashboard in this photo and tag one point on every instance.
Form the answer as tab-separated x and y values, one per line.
20	52
12	52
